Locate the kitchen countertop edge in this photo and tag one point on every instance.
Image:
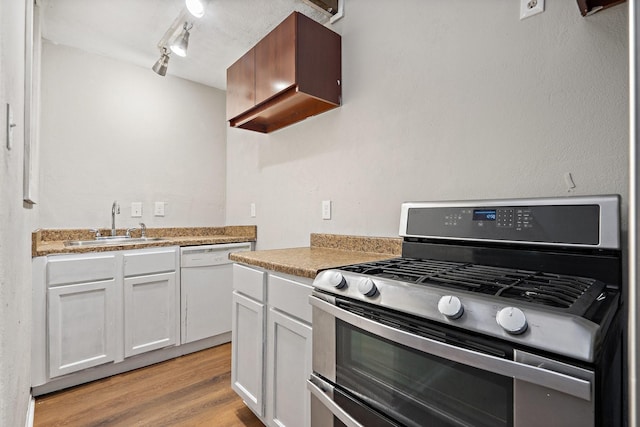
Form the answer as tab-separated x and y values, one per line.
51	242
326	251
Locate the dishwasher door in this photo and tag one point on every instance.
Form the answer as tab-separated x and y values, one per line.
206	286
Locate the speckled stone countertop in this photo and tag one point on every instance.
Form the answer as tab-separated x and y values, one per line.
325	251
49	242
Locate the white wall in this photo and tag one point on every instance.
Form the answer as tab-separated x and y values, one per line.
444	102
15	227
115	131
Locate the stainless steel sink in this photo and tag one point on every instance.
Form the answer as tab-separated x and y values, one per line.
113	241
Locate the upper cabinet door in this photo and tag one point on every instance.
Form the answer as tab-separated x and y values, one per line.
276	60
241	85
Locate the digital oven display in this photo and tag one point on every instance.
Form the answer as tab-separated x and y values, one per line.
484	214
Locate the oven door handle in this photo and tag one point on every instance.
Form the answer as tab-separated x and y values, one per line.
571	385
322	391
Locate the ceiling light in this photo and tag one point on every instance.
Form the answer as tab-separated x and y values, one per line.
160	67
180	45
195	7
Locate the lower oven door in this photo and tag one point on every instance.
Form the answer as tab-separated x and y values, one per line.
372	371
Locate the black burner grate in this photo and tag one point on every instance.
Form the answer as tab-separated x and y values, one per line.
548	289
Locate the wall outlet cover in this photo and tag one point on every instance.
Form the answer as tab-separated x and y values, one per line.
529	8
326	209
159	209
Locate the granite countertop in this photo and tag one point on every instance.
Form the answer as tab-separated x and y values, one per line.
49	242
325	251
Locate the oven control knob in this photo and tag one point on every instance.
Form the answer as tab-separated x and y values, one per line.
512	320
367	287
336	280
450	306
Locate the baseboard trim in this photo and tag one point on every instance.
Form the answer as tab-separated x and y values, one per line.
30	412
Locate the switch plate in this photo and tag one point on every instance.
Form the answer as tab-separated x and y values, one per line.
10	126
136	209
253	210
326	209
159	209
530	7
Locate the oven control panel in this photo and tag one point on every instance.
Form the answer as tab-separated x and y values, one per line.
571	224
581	221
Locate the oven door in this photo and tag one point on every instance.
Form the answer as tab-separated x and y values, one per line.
382	370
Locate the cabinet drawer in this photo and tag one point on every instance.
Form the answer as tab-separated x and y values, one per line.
249	281
150	261
76	269
290	297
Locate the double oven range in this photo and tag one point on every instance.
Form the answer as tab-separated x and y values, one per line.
498	313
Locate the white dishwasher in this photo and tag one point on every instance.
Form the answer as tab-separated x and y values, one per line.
206	287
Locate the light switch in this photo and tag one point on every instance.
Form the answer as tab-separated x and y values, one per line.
136	209
159	209
253	210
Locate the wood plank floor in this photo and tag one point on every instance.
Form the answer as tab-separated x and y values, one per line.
192	390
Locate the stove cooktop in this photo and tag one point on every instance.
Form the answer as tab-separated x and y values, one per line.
570	294
562	314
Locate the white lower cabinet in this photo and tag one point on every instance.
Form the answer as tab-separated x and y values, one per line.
151	299
289	367
247	351
82	301
150	313
82	326
271	363
100	308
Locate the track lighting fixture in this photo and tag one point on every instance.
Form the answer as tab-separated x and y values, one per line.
160	67
181	44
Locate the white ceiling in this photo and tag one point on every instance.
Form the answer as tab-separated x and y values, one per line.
129	30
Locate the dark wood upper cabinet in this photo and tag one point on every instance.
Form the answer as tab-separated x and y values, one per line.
587	7
291	74
241	94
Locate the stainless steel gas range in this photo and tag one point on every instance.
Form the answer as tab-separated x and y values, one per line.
498	313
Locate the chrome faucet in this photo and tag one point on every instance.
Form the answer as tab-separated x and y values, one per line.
115	209
143	230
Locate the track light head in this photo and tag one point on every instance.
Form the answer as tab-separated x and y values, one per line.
195	7
160	67
181	44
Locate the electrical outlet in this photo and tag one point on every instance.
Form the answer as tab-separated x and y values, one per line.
253	210
326	209
136	209
158	209
530	7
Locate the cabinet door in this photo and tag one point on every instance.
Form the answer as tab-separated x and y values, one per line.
276	60
288	368
241	85
247	351
150	313
82	328
206	294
